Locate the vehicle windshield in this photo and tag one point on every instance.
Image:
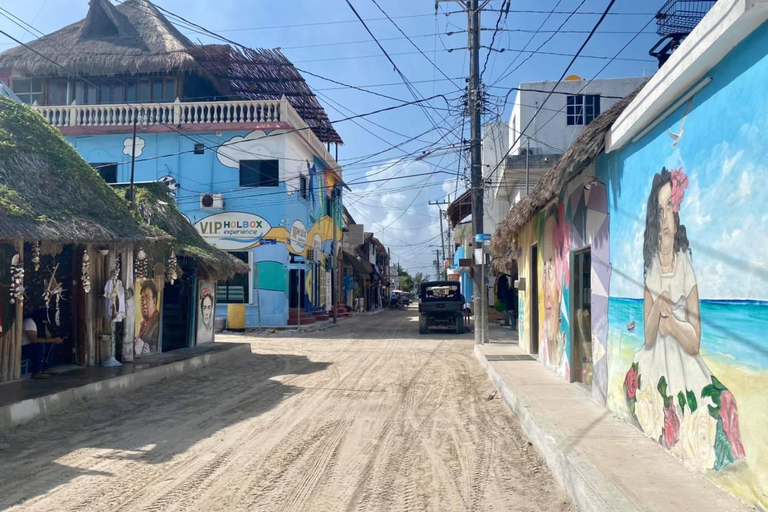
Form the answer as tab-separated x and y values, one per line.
441	291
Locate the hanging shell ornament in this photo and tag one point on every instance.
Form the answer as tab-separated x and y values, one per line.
36	255
141	265
17	279
86	272
172	267
53	290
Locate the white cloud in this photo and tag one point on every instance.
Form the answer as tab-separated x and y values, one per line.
250	147
128	146
397	212
744	190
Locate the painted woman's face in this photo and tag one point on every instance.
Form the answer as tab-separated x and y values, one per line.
207	310
667	228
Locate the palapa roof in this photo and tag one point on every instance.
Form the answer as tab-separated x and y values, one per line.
460	208
582	152
158	209
135	37
263	74
49	193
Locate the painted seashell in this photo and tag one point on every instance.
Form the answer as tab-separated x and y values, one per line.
141	255
15	259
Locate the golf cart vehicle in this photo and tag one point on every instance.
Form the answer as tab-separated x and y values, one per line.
441	306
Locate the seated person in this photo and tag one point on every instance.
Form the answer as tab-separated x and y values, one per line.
37	345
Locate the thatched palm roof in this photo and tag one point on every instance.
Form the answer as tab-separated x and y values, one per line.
582	152
133	37
264	75
460	208
158	209
49	193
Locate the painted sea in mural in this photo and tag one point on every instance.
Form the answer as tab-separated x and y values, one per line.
730	330
734	346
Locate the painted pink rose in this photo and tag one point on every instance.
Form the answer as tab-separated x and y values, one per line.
631	382
671	432
679	184
730	416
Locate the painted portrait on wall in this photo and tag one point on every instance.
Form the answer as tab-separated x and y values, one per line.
555	244
148	300
206	308
671	392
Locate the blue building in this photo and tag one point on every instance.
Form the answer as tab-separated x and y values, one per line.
239	132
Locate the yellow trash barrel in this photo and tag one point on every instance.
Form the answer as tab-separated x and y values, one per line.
236	317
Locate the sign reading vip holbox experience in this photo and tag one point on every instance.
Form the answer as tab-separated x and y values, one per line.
232	231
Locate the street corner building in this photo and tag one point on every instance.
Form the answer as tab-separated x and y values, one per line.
642	254
237	131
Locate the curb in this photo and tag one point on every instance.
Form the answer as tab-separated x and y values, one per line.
584	483
33	408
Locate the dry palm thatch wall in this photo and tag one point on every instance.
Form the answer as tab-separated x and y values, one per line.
582	152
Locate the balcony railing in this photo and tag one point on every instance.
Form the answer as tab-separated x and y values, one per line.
181	113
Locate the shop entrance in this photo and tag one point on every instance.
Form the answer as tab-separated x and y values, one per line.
581	317
177	307
297	288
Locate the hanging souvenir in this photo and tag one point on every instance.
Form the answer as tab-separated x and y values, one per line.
17	279
53	290
172	268
36	255
140	267
86	272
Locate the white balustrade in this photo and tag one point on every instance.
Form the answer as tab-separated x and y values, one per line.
181	113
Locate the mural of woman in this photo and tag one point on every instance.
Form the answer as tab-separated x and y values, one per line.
555	275
205	322
670	391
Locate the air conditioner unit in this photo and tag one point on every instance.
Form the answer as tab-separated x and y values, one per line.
211	201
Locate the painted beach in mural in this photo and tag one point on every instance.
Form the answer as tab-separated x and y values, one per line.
688	314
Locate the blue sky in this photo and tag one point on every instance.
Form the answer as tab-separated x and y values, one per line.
323	37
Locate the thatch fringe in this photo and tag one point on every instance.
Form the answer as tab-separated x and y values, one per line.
582	152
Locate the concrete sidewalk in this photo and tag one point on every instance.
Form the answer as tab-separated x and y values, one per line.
603	463
24	400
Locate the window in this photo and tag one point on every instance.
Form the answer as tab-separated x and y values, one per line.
157	91
582	109
259	173
29	90
237	289
329	207
304	186
107	171
144	91
170	90
57	93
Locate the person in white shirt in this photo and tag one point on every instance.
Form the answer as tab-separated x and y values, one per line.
37	345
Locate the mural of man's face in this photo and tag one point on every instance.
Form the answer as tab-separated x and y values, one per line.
148	303
207	310
667	227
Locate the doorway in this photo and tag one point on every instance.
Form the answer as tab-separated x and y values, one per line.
533	293
177	305
296	290
581	314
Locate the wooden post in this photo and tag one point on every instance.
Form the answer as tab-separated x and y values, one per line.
129	324
18	330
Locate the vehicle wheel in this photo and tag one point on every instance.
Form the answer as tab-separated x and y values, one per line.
423	325
460	325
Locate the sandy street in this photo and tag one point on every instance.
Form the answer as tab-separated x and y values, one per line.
365	416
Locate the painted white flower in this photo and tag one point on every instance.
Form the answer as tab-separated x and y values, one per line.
698	435
649	409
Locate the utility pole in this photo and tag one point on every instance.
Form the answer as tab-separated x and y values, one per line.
133	156
480	296
442	235
437	264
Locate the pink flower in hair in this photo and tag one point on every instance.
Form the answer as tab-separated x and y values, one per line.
206	292
679	184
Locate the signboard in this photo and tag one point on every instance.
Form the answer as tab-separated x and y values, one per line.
465	262
298	237
483	237
232	230
268	241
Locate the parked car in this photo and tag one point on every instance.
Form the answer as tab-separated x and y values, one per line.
441	306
